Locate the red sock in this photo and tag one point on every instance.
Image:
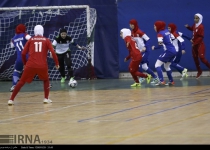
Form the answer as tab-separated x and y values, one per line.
46	88
17	89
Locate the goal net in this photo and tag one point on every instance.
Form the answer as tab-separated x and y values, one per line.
78	20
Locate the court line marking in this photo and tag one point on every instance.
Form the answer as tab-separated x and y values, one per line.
155	128
127	109
57	109
199	91
124	110
166	110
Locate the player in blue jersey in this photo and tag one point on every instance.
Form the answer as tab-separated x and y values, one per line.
164	41
179	44
18	42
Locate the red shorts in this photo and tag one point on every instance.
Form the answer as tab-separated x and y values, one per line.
29	74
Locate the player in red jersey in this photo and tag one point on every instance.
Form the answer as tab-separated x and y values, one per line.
37	47
143	42
198	46
135	56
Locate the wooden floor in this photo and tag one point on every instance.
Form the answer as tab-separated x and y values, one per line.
109	111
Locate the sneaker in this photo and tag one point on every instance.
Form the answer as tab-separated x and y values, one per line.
63	79
184	73
71	79
155	81
141	80
161	83
12	88
198	74
148	78
10	102
136	85
170	83
47	101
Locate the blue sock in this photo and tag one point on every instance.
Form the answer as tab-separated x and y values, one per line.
177	67
169	74
16	77
160	73
149	71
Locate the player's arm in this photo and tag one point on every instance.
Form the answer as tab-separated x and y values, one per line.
75	44
27	37
24	52
189	27
12	44
54	56
129	56
199	36
160	42
180	40
54	43
184	36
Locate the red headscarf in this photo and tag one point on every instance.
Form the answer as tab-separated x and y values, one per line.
173	27
21	28
160	25
135	23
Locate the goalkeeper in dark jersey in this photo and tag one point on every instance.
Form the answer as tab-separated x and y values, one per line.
61	44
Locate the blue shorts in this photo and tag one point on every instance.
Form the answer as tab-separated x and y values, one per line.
18	65
167	56
178	57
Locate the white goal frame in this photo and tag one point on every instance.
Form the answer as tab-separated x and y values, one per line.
90	24
54	7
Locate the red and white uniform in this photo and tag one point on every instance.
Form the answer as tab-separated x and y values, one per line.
134	55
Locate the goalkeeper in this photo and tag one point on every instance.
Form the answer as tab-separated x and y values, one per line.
61	45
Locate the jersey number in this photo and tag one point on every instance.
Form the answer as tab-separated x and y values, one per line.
38	46
19	45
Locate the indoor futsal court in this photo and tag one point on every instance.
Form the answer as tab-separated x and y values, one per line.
109	111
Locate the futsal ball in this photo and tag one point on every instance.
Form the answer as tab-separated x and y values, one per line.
73	83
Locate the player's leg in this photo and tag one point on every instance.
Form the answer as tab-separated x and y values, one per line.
69	65
27	76
169	73
17	73
43	75
133	68
175	64
196	60
158	65
201	55
62	67
149	71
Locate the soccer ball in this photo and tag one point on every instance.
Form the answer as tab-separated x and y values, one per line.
73	83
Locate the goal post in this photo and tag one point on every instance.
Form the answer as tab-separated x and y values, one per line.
78	20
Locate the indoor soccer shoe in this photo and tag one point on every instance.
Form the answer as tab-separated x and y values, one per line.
141	80
12	88
198	75
71	79
155	81
136	85
161	83
47	101
10	102
170	83
184	73
63	79
148	78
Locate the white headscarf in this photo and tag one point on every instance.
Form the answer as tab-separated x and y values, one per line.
126	32
200	19
38	30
